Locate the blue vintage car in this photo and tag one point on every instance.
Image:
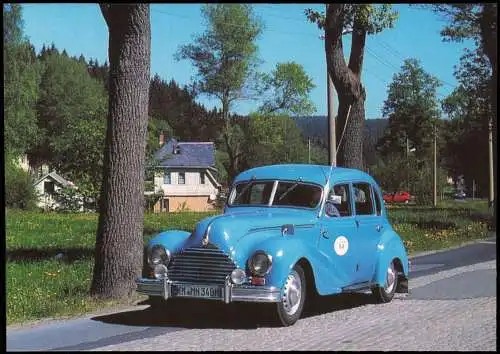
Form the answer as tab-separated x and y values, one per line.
285	229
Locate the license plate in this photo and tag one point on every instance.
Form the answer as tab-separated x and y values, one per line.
199	291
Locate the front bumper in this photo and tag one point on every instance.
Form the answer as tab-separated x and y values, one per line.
230	292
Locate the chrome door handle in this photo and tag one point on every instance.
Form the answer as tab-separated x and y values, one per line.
379	227
324	234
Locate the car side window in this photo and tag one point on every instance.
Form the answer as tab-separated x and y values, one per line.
363	199
344	207
378	204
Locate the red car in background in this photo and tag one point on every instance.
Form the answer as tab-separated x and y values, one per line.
397	197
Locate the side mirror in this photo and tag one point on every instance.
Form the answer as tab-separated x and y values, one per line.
335	199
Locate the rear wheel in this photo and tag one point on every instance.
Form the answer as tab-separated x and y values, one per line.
386	293
294	294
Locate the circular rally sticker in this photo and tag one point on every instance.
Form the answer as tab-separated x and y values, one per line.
341	245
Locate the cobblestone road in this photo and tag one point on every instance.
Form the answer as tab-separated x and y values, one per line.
403	324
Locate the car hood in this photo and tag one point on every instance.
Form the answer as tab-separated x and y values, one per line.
235	230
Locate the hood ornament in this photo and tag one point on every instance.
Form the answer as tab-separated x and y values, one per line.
204	240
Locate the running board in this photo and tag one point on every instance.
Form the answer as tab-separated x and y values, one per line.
358	287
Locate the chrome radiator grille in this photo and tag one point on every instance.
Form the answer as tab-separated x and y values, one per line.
201	265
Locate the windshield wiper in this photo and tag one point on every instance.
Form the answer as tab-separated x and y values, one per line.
242	192
287	191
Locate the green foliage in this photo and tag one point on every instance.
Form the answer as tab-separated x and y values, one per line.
274	139
69	199
469	109
224	55
412	110
19	190
463	20
371	18
12	24
72	111
289	87
21	80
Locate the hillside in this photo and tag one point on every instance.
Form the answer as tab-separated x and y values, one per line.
316	127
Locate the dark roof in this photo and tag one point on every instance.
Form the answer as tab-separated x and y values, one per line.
190	154
59	179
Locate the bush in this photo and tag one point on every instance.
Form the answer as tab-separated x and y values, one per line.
19	190
69	200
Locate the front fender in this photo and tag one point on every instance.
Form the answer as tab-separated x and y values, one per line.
173	240
390	247
287	251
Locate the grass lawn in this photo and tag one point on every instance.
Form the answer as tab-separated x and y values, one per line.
39	286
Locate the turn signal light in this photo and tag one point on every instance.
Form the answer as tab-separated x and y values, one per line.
258	281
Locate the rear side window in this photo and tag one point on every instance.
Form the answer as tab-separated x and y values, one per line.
363	199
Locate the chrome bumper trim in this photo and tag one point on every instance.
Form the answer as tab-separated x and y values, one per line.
231	292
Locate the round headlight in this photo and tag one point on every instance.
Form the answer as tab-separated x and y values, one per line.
158	255
160	271
260	263
238	276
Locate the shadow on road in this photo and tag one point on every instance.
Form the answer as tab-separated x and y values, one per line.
209	314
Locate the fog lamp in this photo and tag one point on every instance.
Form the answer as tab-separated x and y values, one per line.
238	276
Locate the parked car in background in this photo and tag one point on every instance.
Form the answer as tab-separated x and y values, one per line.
397	197
288	232
460	194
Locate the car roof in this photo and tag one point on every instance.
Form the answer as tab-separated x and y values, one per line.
305	172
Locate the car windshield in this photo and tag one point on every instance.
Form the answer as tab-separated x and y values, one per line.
293	194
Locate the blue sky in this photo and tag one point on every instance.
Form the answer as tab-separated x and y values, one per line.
287	36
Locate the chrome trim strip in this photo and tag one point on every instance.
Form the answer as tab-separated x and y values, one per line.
278	228
231	292
273	193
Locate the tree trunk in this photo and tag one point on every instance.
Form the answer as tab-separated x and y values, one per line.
119	241
348	85
489	29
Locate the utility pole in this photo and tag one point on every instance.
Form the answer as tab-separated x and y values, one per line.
332	143
491	196
473	189
435	165
309	148
407	165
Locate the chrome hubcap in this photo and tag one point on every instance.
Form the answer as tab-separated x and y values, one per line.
292	293
391	279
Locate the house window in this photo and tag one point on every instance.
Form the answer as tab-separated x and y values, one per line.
202	177
165	205
48	187
166	178
182	178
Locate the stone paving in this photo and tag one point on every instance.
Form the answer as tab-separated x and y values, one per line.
403	324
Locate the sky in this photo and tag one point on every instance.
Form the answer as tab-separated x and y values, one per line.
287	36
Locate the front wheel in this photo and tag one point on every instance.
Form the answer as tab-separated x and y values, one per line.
386	293
294	295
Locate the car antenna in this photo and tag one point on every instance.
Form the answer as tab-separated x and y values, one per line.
331	165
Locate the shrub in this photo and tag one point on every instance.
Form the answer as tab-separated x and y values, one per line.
19	190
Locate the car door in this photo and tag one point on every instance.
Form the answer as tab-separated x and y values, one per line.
337	239
367	207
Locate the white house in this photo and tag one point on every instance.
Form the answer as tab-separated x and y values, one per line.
47	187
185	176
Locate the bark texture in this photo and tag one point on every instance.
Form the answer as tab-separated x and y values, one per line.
119	241
346	79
